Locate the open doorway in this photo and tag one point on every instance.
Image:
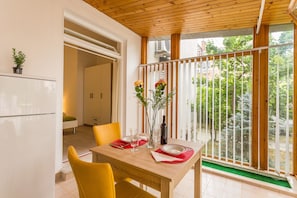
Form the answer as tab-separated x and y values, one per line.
91	81
87	97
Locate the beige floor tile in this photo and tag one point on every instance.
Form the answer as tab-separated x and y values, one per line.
213	185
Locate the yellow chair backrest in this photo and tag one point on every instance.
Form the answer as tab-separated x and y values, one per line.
106	133
93	179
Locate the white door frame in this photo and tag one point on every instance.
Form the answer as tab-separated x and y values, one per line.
83	45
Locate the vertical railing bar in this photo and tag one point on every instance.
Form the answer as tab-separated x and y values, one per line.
190	136
220	105
277	145
212	106
200	99
206	106
234	108
189	96
227	79
287	158
174	108
242	110
168	112
195	102
250	114
157	77
178	106
184	96
148	73
190	99
181	99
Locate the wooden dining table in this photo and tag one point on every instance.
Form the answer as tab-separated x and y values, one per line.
142	167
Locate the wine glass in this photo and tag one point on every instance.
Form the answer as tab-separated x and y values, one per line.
134	142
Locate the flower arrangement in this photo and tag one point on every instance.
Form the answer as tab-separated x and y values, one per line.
158	101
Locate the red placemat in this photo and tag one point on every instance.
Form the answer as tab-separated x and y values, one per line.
183	156
120	144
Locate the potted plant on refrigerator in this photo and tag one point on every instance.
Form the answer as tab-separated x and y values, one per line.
19	58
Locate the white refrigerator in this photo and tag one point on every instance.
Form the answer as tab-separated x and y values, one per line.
27	136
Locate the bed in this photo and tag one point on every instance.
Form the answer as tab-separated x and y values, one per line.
69	122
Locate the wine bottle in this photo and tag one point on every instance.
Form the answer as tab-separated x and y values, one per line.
163	131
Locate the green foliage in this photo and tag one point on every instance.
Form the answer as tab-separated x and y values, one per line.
18	57
231	80
237	43
225	96
281	75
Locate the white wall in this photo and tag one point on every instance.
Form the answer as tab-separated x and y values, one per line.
36	28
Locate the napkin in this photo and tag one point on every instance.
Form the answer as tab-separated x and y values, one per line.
159	157
125	145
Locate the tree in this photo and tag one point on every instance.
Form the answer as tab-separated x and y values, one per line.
220	92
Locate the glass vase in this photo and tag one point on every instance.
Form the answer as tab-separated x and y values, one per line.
151	142
151	121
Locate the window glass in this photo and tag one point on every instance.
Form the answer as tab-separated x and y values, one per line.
280	95
216	45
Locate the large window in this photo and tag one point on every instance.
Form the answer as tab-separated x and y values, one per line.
214	101
280	104
221	104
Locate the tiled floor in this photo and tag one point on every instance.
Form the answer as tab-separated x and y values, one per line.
214	185
82	140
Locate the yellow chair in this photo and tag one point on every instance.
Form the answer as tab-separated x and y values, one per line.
106	133
96	180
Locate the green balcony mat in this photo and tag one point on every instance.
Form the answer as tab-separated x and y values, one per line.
279	182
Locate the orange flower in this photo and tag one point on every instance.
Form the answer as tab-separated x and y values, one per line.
138	83
161	82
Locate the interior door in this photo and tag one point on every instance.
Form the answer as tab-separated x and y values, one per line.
97	94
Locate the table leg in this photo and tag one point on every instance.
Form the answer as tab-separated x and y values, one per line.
197	178
94	157
166	189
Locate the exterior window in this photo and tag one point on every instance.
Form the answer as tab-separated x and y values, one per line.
221	106
280	104
215	94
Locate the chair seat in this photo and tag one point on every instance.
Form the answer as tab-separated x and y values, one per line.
125	189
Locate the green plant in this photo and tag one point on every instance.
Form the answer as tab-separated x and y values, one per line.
18	57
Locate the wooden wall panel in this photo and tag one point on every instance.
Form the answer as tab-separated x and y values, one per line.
175	46
144	41
260	101
175	53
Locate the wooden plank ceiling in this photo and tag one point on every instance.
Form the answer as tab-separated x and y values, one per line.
157	18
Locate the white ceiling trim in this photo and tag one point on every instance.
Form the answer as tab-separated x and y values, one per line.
260	16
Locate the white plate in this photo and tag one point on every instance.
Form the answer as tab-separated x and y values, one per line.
173	149
126	139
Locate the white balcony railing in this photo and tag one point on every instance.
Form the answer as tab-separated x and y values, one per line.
213	104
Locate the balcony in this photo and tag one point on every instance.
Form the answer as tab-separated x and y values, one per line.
219	100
